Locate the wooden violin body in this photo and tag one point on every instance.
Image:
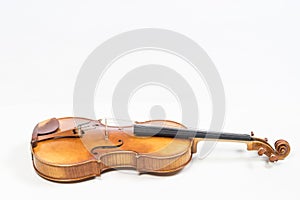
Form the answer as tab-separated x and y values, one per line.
74	149
68	157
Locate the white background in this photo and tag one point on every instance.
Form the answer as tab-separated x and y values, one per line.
254	45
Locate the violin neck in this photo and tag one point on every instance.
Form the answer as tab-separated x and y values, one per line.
155	131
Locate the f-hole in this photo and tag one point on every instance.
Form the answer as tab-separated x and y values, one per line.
93	151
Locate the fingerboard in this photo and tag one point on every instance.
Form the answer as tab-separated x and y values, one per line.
155	131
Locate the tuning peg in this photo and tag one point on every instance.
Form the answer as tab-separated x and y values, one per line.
273	158
261	151
252	134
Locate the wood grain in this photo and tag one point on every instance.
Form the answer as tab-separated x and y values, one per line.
71	159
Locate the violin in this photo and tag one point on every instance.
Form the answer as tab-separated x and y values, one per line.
74	149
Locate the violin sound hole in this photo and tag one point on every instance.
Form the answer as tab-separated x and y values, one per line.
93	151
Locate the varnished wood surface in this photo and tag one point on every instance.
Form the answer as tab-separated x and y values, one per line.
71	159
